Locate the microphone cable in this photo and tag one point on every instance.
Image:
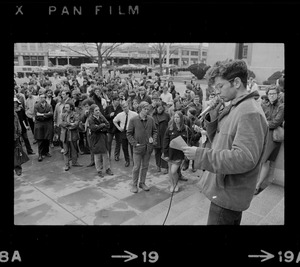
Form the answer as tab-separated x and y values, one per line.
172	198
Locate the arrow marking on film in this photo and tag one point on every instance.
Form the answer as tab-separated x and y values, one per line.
267	256
129	257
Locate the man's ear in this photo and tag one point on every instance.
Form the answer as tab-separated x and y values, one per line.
237	82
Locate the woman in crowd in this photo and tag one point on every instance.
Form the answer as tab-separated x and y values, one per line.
175	157
98	126
161	119
43	127
274	112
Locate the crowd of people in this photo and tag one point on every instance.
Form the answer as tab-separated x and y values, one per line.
85	113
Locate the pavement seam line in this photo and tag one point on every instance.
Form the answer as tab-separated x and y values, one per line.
58	204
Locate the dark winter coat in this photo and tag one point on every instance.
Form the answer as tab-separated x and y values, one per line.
161	122
98	128
98	102
53	103
43	126
69	132
274	114
112	129
17	127
22	117
145	98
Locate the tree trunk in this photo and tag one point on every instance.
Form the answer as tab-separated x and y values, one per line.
160	64
100	59
100	66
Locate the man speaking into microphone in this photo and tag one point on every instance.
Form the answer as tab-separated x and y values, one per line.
237	134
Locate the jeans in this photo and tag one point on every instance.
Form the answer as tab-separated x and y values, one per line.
221	216
110	137
141	164
106	161
70	148
88	138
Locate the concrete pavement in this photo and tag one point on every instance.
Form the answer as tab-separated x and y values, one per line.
45	194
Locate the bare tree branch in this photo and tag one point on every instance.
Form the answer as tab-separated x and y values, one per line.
108	51
92	56
79	52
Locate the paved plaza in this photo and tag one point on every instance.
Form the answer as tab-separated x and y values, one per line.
45	194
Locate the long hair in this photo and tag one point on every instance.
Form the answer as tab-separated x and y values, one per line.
172	124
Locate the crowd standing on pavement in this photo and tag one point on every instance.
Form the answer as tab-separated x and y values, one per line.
85	113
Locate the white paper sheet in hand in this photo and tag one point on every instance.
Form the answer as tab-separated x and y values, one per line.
178	143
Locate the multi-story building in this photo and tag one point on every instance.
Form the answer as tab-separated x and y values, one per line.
43	54
262	58
30	54
181	55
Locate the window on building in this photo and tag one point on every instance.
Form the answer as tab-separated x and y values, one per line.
185	61
32	46
33	61
185	52
194	53
175	52
194	60
24	46
245	51
204	53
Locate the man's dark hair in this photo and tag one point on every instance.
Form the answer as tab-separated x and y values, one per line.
228	70
273	87
88	101
72	107
115	97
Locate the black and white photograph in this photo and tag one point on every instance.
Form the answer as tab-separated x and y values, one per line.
97	121
149	132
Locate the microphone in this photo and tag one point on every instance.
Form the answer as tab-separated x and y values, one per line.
210	107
